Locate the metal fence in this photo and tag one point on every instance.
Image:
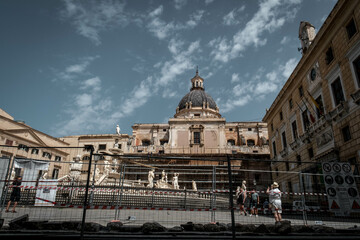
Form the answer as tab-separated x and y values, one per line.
96	190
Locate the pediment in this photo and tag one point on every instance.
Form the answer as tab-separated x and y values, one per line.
26	134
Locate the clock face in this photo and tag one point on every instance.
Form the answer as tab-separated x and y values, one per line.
313	74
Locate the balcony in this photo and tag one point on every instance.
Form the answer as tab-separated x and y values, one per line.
356	97
339	111
317	126
295	144
305	138
284	153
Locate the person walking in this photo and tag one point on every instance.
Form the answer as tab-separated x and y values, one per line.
275	200
15	194
241	198
254	202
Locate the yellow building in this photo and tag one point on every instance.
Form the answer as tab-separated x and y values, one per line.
316	115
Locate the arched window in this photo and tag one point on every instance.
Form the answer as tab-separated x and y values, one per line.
250	142
145	142
196	83
231	142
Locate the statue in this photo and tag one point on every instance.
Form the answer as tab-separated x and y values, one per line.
106	168
44	175
151	176
194	185
243	185
175	181
116	144
114	163
118	130
163	175
75	169
97	173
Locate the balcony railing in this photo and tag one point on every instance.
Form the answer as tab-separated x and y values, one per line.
339	111
284	152
356	97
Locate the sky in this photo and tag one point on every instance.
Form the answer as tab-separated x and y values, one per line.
82	67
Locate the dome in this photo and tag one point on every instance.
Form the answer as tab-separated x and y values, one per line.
197	97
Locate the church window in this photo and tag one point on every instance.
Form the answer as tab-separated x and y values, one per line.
351	28
250	142
196	137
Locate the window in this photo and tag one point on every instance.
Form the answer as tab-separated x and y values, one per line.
164	130
287	166
196	137
306	121
249	129
55	173
320	110
311	152
35	151
346	133
290	187
337	91
298	159
230	129
274	148
162	142
87	147
102	146
356	64
294	130
231	142
9	142
281	116
301	91
250	142
23	147
57	158
291	103
351	28
329	56
283	137
272	127
46	155
197	114
145	142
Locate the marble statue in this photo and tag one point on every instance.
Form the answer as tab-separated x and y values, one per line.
106	168
243	185
175	181
163	175
194	185
75	170
114	163
151	176
118	130
116	144
44	175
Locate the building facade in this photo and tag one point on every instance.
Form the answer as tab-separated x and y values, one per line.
316	115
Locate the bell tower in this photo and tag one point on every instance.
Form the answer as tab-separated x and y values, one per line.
197	82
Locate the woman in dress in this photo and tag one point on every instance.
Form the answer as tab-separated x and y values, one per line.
275	200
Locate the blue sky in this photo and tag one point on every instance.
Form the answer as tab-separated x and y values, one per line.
81	67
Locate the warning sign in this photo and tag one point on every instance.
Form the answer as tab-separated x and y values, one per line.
341	189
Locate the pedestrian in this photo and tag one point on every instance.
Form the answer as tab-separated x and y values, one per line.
241	198
275	200
15	194
254	202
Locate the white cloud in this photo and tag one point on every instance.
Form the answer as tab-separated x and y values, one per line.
271	15
162	29
284	40
260	85
235	78
230	18
93	83
208	1
179	4
92	17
